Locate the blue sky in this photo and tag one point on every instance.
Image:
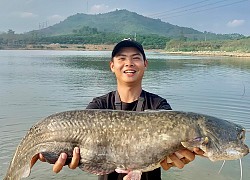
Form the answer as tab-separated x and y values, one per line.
217	16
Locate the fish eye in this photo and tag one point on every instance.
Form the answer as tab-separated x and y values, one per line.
242	135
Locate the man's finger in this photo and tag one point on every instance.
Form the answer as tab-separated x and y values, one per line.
185	160
33	160
126	177
166	166
75	159
187	154
198	151
176	161
60	163
41	158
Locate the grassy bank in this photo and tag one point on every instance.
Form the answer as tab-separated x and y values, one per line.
239	47
210	53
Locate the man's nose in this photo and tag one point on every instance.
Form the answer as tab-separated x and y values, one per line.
129	62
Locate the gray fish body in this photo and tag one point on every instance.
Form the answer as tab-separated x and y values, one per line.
127	140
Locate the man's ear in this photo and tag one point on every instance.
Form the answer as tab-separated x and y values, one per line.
111	65
146	63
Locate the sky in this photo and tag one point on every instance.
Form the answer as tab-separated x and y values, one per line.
216	16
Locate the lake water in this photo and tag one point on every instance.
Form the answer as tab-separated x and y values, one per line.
35	84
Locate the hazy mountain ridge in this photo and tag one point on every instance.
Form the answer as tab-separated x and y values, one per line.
126	22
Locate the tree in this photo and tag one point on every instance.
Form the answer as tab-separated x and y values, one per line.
11	32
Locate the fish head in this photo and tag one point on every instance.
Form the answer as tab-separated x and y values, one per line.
228	149
220	140
226	140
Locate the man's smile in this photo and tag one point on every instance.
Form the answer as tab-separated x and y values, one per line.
129	71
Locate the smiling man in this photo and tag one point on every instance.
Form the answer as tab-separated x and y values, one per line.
128	63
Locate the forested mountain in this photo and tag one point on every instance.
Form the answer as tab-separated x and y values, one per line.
109	28
126	22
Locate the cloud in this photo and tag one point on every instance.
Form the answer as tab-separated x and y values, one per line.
27	15
55	17
99	8
235	23
23	15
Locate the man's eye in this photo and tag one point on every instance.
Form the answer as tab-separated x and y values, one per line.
121	58
137	58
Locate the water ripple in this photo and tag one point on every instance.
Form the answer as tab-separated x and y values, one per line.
35	84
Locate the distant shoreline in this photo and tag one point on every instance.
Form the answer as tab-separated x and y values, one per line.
211	53
109	47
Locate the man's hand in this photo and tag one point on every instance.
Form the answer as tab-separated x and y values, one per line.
185	156
61	160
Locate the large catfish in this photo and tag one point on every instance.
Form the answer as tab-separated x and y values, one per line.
126	140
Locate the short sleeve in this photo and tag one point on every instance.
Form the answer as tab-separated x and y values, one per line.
93	104
164	105
102	102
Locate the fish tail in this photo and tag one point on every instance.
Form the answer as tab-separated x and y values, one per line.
20	165
16	174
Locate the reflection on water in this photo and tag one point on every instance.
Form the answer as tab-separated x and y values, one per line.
34	84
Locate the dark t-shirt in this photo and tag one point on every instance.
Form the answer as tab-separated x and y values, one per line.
151	101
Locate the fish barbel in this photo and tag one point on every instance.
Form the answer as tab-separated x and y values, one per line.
126	140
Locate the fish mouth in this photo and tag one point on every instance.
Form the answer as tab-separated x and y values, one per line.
229	154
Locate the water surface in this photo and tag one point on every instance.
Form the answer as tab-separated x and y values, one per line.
35	84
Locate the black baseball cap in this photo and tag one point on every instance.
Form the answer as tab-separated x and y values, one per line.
128	43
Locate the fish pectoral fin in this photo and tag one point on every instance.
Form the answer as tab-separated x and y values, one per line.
196	142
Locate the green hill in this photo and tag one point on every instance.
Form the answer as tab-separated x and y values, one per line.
109	28
126	22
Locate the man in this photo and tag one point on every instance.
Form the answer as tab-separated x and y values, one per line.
128	63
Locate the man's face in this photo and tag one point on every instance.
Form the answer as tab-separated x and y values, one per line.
128	65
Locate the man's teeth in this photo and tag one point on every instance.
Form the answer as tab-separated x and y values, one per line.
129	71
